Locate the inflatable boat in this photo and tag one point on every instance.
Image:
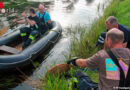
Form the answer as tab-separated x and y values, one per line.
11	57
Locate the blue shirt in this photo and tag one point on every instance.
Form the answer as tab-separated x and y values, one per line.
46	16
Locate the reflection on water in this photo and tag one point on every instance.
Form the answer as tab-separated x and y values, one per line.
73	12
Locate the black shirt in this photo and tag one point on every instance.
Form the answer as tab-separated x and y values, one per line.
38	22
124	29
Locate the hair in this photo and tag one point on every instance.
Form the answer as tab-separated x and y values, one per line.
41	5
112	20
116	36
32	10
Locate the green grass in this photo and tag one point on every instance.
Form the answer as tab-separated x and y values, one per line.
85	45
83	41
55	83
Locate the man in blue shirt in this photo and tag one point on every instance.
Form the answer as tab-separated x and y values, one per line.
44	17
112	22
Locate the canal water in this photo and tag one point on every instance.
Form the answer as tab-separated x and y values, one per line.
68	13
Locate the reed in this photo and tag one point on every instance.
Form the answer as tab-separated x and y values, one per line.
83	40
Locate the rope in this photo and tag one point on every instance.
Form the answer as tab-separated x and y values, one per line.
56	38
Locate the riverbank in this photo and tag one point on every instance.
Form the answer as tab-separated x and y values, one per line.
84	46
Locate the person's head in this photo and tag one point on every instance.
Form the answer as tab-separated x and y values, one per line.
111	22
32	12
114	38
41	8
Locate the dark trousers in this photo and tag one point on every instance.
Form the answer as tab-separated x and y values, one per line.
28	35
44	29
84	81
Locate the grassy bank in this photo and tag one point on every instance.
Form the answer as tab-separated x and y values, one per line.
84	45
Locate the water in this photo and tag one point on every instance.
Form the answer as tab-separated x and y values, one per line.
81	12
67	13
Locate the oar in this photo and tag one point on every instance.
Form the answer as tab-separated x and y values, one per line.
62	68
3	30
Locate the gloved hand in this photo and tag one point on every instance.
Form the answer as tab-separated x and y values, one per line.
72	61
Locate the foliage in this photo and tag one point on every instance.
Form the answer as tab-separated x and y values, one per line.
84	40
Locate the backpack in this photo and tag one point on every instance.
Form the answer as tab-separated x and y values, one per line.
84	82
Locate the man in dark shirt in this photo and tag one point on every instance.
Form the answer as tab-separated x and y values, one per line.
112	22
28	34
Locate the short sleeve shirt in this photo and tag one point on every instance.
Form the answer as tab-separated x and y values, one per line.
109	74
46	16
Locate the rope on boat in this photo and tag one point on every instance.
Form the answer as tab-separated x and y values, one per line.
32	63
56	38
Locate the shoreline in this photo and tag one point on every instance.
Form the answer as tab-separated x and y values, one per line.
85	46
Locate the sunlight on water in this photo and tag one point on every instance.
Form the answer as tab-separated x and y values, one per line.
74	12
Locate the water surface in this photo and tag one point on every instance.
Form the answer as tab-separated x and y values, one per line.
68	13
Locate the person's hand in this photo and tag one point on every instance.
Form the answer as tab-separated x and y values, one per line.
81	63
24	14
14	21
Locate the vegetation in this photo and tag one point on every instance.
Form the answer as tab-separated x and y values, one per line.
83	41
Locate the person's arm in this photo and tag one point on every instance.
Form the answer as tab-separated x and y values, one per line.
101	39
30	21
17	20
81	62
92	62
48	18
20	22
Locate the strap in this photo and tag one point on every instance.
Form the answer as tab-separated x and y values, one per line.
122	75
127	82
42	19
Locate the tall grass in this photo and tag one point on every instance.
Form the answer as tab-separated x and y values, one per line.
59	82
86	45
83	43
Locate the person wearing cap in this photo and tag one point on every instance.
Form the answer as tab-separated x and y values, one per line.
44	17
112	22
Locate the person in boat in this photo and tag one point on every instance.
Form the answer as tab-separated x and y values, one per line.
45	18
28	34
112	22
109	72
